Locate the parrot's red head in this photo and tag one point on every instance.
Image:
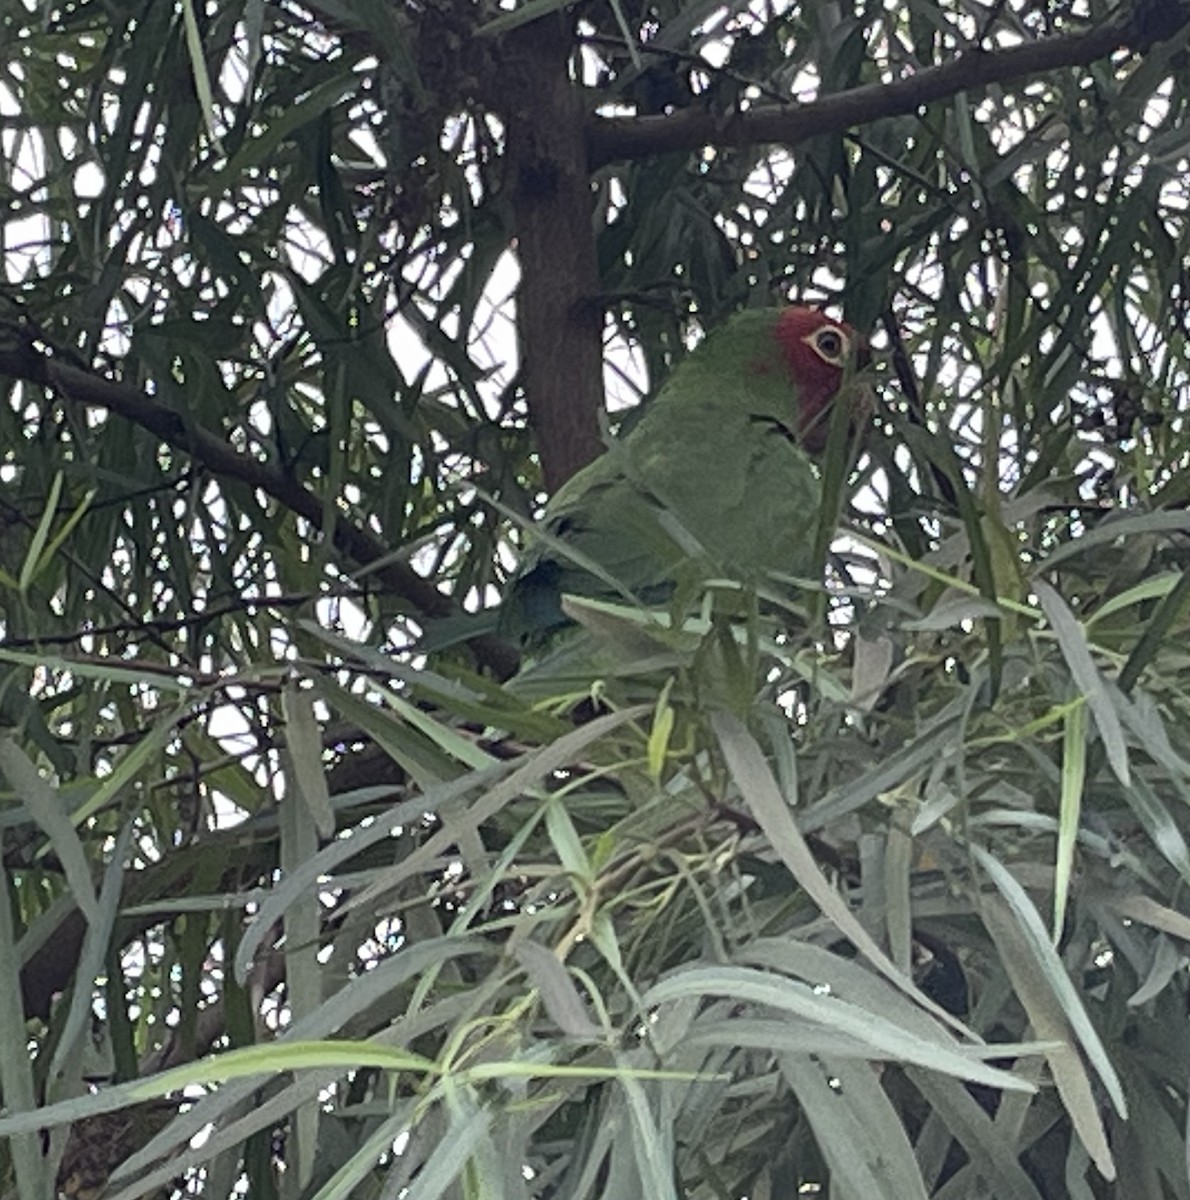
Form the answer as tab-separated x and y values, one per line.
817	350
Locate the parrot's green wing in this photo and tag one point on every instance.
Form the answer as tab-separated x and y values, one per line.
605	534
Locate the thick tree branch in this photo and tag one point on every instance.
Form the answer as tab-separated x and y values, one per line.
1137	28
21	358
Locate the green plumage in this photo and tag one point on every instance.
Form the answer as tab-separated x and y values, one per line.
709	481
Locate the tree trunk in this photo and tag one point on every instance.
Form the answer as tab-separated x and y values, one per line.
559	316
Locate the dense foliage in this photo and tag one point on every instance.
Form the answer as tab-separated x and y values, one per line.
871	883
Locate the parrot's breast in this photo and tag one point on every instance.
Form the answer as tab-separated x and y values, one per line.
747	495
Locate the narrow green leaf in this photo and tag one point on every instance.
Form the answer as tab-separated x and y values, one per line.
528	774
254	13
990	1147
16	1066
557	989
1158	823
76	1030
271	1058
1155	588
627	33
660	731
858	1130
198	69
1074	772
1150	912
299	810
1073	643
1031	977
898	916
450	1155
67	529
566	842
935	741
503	781
1033	937
45	806
100	671
426	763
303	741
941	453
652	1143
1168	961
33	556
1159	624
351	1175
1117	527
465	749
885	1039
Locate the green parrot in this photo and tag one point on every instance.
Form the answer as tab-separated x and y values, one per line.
714	478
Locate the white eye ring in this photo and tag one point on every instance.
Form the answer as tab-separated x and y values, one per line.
830	343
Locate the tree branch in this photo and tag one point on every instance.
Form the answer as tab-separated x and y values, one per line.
1137	27
22	358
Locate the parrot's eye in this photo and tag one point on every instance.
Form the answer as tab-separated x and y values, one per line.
831	344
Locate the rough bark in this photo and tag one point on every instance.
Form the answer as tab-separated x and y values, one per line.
559	319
